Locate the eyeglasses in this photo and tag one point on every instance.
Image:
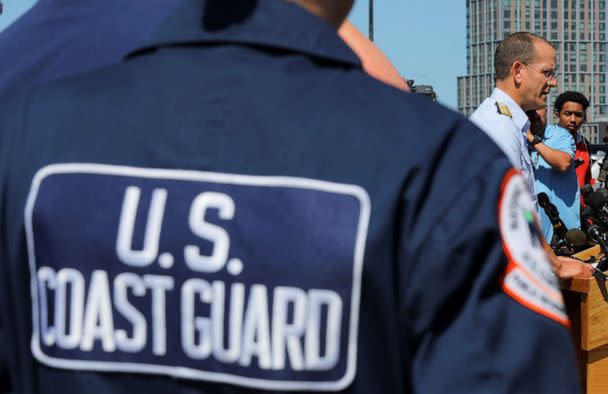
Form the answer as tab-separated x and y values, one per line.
548	73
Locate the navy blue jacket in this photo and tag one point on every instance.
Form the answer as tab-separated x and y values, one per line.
239	208
58	38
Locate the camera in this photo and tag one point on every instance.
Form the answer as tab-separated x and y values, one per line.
424	90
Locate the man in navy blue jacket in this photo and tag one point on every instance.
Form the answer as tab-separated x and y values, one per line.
239	208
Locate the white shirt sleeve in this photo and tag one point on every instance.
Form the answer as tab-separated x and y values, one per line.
503	131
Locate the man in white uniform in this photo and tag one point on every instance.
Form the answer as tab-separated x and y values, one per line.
524	64
525	69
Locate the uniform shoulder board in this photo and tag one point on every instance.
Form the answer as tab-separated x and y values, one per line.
503	109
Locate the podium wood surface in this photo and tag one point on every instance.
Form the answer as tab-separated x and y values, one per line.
587	306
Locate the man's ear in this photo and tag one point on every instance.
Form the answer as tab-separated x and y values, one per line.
516	70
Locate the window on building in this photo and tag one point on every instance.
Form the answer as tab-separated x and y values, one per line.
602	110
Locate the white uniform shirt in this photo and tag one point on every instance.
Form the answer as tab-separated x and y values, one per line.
508	132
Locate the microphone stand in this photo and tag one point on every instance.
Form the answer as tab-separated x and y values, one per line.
559	228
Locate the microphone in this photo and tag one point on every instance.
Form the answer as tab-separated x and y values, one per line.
559	228
543	200
575	237
595	234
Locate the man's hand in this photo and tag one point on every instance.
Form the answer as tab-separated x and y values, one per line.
538	121
567	267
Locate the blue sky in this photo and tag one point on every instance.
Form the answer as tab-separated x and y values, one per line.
426	40
13	9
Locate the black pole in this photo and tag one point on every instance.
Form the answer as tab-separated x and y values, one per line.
371	20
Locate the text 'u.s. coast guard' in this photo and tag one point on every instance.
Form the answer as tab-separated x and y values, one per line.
253	280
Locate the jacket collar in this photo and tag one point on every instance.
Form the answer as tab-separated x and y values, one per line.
265	23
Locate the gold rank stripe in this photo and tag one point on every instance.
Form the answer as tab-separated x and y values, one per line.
503	109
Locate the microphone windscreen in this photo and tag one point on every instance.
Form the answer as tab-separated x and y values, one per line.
575	237
543	200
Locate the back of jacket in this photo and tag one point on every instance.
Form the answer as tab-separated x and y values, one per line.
238	208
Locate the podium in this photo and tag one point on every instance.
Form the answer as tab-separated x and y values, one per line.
587	305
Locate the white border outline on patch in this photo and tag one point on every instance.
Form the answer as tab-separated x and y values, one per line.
213	177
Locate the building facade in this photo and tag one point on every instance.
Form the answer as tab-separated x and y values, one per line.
577	29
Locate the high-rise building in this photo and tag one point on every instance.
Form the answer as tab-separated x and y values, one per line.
576	28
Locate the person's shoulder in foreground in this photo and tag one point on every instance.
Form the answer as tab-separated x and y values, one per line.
56	38
251	212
